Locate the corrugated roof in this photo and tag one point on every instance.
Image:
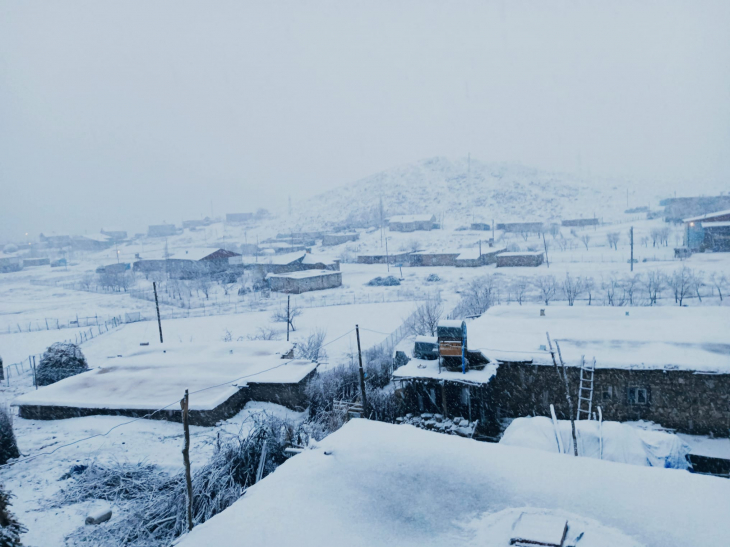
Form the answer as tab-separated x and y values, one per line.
707	216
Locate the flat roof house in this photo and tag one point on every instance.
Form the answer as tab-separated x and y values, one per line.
522	227
145	379
521	259
580	222
411	223
668	365
305	281
434	258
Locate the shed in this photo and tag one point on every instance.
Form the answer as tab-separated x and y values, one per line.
304	281
521	259
708	232
522	227
11	263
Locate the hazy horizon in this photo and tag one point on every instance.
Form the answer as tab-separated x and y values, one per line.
123	115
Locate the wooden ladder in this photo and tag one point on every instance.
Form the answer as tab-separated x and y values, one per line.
585	392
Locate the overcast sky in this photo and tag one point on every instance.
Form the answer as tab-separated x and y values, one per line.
122	114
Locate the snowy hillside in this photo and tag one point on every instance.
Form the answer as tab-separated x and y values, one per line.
463	190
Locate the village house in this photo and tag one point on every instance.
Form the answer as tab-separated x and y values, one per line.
481	256
188	264
338	239
708	232
304	281
519	259
481	226
522	227
580	222
237	218
161	230
668	365
383	258
142	380
31	262
411	223
434	258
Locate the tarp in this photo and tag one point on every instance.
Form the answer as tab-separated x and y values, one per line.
611	441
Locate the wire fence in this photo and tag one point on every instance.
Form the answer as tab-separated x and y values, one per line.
20	368
53	323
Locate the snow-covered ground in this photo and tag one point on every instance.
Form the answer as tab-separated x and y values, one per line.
378	484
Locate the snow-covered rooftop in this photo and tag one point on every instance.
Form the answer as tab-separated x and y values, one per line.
379	484
707	216
152	377
305	273
194	254
689	338
522	253
721	224
284	258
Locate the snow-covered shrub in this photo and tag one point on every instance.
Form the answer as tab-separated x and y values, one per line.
8	444
512	248
389	281
432	278
60	361
10	528
311	348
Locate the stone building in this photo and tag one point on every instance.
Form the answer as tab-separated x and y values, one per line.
580	222
520	259
668	365
305	281
434	258
337	239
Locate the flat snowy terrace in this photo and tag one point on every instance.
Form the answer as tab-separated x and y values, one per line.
372	484
666	337
153	377
422	368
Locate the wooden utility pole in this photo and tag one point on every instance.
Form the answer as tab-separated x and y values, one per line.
631	233
288	317
544	243
362	375
567	390
157	305
184	405
35	379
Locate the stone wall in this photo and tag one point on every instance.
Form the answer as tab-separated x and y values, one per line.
686	401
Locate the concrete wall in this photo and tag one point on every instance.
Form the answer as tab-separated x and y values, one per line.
518	261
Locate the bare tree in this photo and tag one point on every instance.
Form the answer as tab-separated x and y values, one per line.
664	236
479	296
203	284
609	287
697	281
589	286
585	239
519	289
426	317
681	284
547	286
263	334
629	285
655	236
311	348
572	288
719	281
654	281
613	239
287	315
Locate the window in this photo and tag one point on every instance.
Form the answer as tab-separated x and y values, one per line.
465	396
607	393
638	396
